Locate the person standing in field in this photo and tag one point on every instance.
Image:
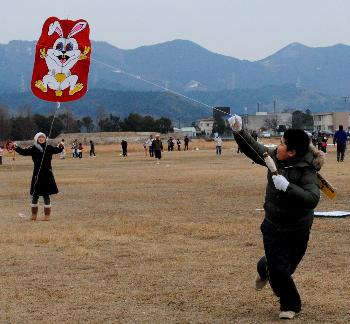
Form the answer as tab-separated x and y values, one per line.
324	144
43	182
149	143
75	148
157	148
1	154
255	135
218	145
92	149
186	141
340	139
80	150
178	142
170	144
292	193
124	145
144	145
63	153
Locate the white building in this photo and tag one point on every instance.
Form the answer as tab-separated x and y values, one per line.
206	125
330	121
188	131
258	121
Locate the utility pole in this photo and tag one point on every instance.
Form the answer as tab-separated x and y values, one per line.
258	106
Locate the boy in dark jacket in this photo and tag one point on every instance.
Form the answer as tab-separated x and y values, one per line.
43	182
291	197
124	145
340	139
157	146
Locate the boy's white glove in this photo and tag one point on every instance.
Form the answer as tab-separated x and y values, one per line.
235	122
281	183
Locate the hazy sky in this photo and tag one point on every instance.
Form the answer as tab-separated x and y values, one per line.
245	29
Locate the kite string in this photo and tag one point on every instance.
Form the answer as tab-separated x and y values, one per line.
138	77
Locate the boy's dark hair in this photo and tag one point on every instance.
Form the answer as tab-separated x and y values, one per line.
297	140
341	127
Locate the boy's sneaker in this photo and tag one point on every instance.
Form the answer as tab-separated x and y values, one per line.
287	314
260	283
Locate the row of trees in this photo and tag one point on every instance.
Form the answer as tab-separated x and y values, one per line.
25	125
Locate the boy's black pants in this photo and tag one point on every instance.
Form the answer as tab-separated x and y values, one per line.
283	253
340	152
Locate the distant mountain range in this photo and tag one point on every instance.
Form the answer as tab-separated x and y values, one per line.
297	76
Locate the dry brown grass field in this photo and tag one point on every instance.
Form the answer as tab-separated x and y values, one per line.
135	242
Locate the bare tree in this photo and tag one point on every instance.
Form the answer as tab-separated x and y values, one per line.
101	115
88	123
69	121
272	122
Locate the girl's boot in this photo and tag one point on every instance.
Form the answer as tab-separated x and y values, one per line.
34	211
47	212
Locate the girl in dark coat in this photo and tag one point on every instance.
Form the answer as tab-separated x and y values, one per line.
43	182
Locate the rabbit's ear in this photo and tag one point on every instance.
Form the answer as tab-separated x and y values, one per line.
77	28
55	27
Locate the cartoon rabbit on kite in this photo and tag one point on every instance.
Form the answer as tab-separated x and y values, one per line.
61	58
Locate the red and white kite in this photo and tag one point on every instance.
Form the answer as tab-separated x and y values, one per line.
62	60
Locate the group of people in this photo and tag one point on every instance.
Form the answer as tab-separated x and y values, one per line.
172	142
154	146
77	149
292	194
340	140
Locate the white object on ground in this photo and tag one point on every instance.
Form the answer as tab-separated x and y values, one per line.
333	213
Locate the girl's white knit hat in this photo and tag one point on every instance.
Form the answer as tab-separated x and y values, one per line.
36	137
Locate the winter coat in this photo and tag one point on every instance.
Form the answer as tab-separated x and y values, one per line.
124	145
294	208
340	137
46	184
157	145
218	141
149	142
